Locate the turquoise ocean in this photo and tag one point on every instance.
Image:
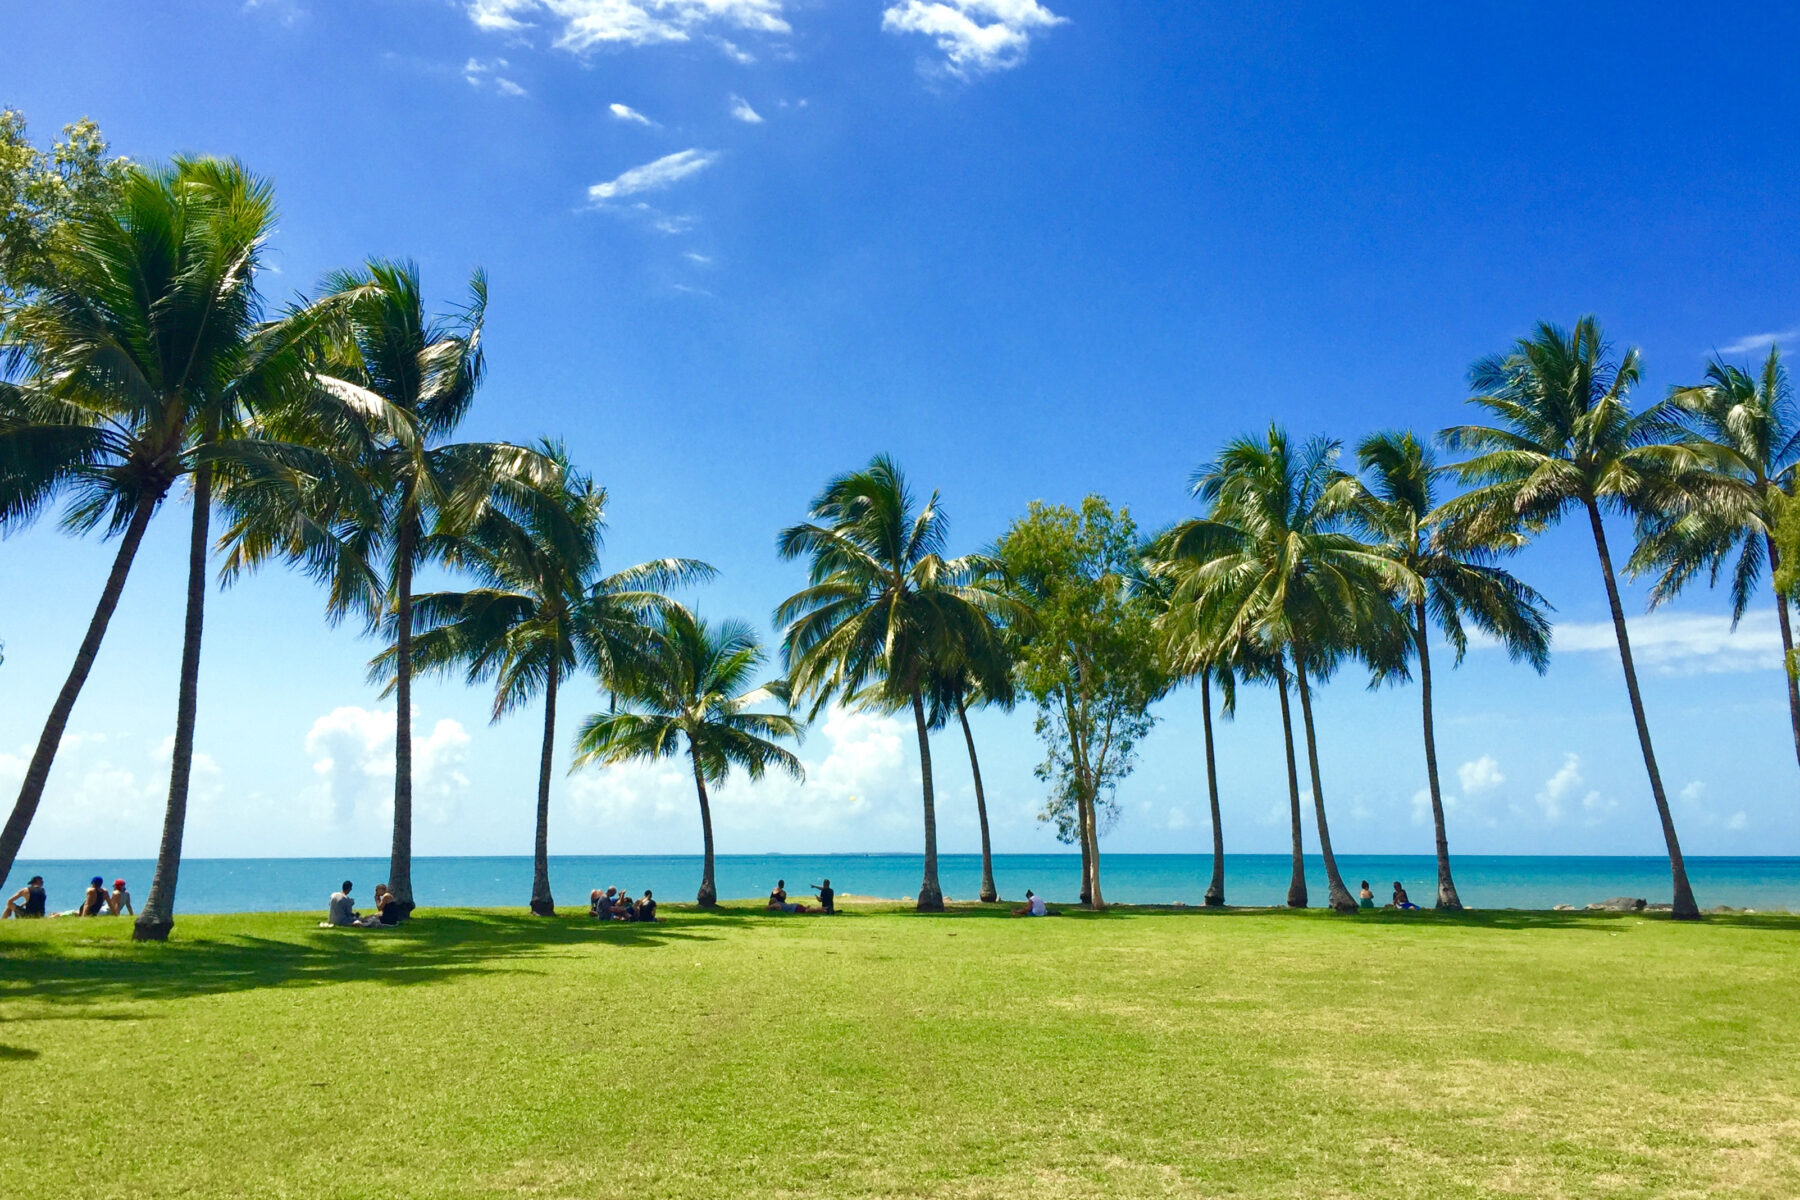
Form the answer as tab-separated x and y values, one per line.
1511	881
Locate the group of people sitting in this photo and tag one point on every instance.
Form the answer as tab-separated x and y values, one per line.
615	904
32	900
1366	898
778	901
342	909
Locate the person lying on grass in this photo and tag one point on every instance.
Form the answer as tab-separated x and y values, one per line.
93	901
778	899
29	900
1034	906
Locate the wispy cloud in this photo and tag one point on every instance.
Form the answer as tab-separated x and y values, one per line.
581	26
652	176
1759	341
1682	644
974	36
485	73
741	111
624	112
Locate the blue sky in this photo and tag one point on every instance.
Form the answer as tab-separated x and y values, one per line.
1032	249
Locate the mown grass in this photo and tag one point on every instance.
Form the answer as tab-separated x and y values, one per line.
736	1054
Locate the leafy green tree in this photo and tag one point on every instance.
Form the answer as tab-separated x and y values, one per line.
694	693
1400	508
1747	432
1565	439
144	359
541	610
1090	660
882	604
1274	568
41	191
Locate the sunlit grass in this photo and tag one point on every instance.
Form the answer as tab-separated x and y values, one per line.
880	1053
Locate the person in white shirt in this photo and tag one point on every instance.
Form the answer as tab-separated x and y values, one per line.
1034	906
342	909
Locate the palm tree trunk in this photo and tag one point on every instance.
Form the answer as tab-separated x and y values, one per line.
1336	894
931	896
1296	897
709	892
1215	891
988	893
400	858
1684	907
1447	898
157	917
542	902
1787	658
1091	831
37	773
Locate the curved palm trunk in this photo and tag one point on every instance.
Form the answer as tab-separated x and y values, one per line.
1787	655
1446	893
709	892
1296	897
988	893
400	857
542	902
1215	891
157	917
1684	907
37	773
1336	894
931	896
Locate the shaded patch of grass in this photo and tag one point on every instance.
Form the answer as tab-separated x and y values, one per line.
737	1053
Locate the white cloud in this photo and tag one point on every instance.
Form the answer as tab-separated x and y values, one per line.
1481	775
1737	821
624	112
694	256
973	35
1560	787
741	111
482	73
352	751
1678	643
1759	341
581	26
1694	792
1421	807
652	176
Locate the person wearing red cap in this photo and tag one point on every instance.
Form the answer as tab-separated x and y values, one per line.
119	903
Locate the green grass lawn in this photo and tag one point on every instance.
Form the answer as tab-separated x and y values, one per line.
735	1054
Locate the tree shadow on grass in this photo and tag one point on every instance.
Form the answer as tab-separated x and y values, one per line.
71	978
1499	919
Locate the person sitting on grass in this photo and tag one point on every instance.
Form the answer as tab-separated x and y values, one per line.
1034	906
778	899
388	905
1400	899
827	897
602	903
646	908
340	910
93	901
627	911
29	900
1365	898
119	903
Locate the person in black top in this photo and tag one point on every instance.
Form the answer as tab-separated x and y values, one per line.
827	897
646	908
391	908
29	900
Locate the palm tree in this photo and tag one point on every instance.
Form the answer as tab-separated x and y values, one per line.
1400	509
693	692
540	610
882	604
410	378
976	677
1565	439
144	359
1747	430
1274	568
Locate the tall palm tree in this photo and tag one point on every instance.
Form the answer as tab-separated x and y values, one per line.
1566	440
410	378
976	677
1747	430
143	358
1400	509
694	693
882	604
1274	567
541	609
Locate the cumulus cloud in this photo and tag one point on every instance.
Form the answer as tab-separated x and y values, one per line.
108	795
652	176
1481	775
741	111
482	73
1562	789
974	36
1678	643
581	26
352	752
624	112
